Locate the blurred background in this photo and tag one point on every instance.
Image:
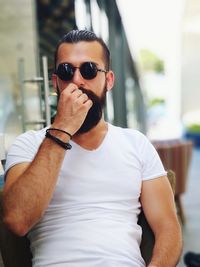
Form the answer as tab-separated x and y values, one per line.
155	50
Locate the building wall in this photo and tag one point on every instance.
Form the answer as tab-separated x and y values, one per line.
18	40
190	57
190	72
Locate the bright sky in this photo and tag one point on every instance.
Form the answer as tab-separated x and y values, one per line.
152	24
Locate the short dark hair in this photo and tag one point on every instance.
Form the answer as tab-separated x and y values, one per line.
76	36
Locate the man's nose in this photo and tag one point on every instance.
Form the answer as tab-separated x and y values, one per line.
78	78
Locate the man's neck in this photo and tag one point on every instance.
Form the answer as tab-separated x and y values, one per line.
92	139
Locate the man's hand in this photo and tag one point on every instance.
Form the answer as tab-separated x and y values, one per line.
72	109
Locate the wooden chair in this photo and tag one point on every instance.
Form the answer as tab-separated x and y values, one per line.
16	252
176	155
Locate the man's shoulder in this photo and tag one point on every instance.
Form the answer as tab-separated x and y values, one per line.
24	147
31	134
130	138
26	141
127	132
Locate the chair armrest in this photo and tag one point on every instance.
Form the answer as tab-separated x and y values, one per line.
15	250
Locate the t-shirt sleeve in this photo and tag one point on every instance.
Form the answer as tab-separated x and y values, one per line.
22	150
152	166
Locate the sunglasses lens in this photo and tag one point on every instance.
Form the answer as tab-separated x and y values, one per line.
88	70
65	72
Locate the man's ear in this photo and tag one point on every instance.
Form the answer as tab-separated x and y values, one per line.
110	79
54	82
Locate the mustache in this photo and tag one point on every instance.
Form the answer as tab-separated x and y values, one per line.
91	95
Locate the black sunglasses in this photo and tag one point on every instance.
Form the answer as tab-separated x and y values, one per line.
88	70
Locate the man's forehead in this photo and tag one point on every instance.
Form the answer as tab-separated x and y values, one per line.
92	50
82	46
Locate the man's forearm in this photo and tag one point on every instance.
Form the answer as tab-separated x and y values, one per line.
26	199
168	247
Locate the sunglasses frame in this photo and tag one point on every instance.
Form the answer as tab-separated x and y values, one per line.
73	68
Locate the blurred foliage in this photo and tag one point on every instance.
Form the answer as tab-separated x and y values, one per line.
194	128
151	62
156	101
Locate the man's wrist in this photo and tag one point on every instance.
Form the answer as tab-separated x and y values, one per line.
60	131
68	128
57	140
63	134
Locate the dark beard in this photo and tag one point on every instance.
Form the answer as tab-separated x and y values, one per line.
94	114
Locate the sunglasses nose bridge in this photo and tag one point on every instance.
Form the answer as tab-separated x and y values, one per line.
77	76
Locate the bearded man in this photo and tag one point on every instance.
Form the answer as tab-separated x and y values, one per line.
76	187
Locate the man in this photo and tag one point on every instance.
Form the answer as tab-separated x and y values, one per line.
74	187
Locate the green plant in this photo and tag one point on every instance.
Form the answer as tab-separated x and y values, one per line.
151	62
193	128
156	101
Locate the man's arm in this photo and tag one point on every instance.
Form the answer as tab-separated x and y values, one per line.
29	187
158	204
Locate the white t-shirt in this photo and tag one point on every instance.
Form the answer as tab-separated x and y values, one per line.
91	220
